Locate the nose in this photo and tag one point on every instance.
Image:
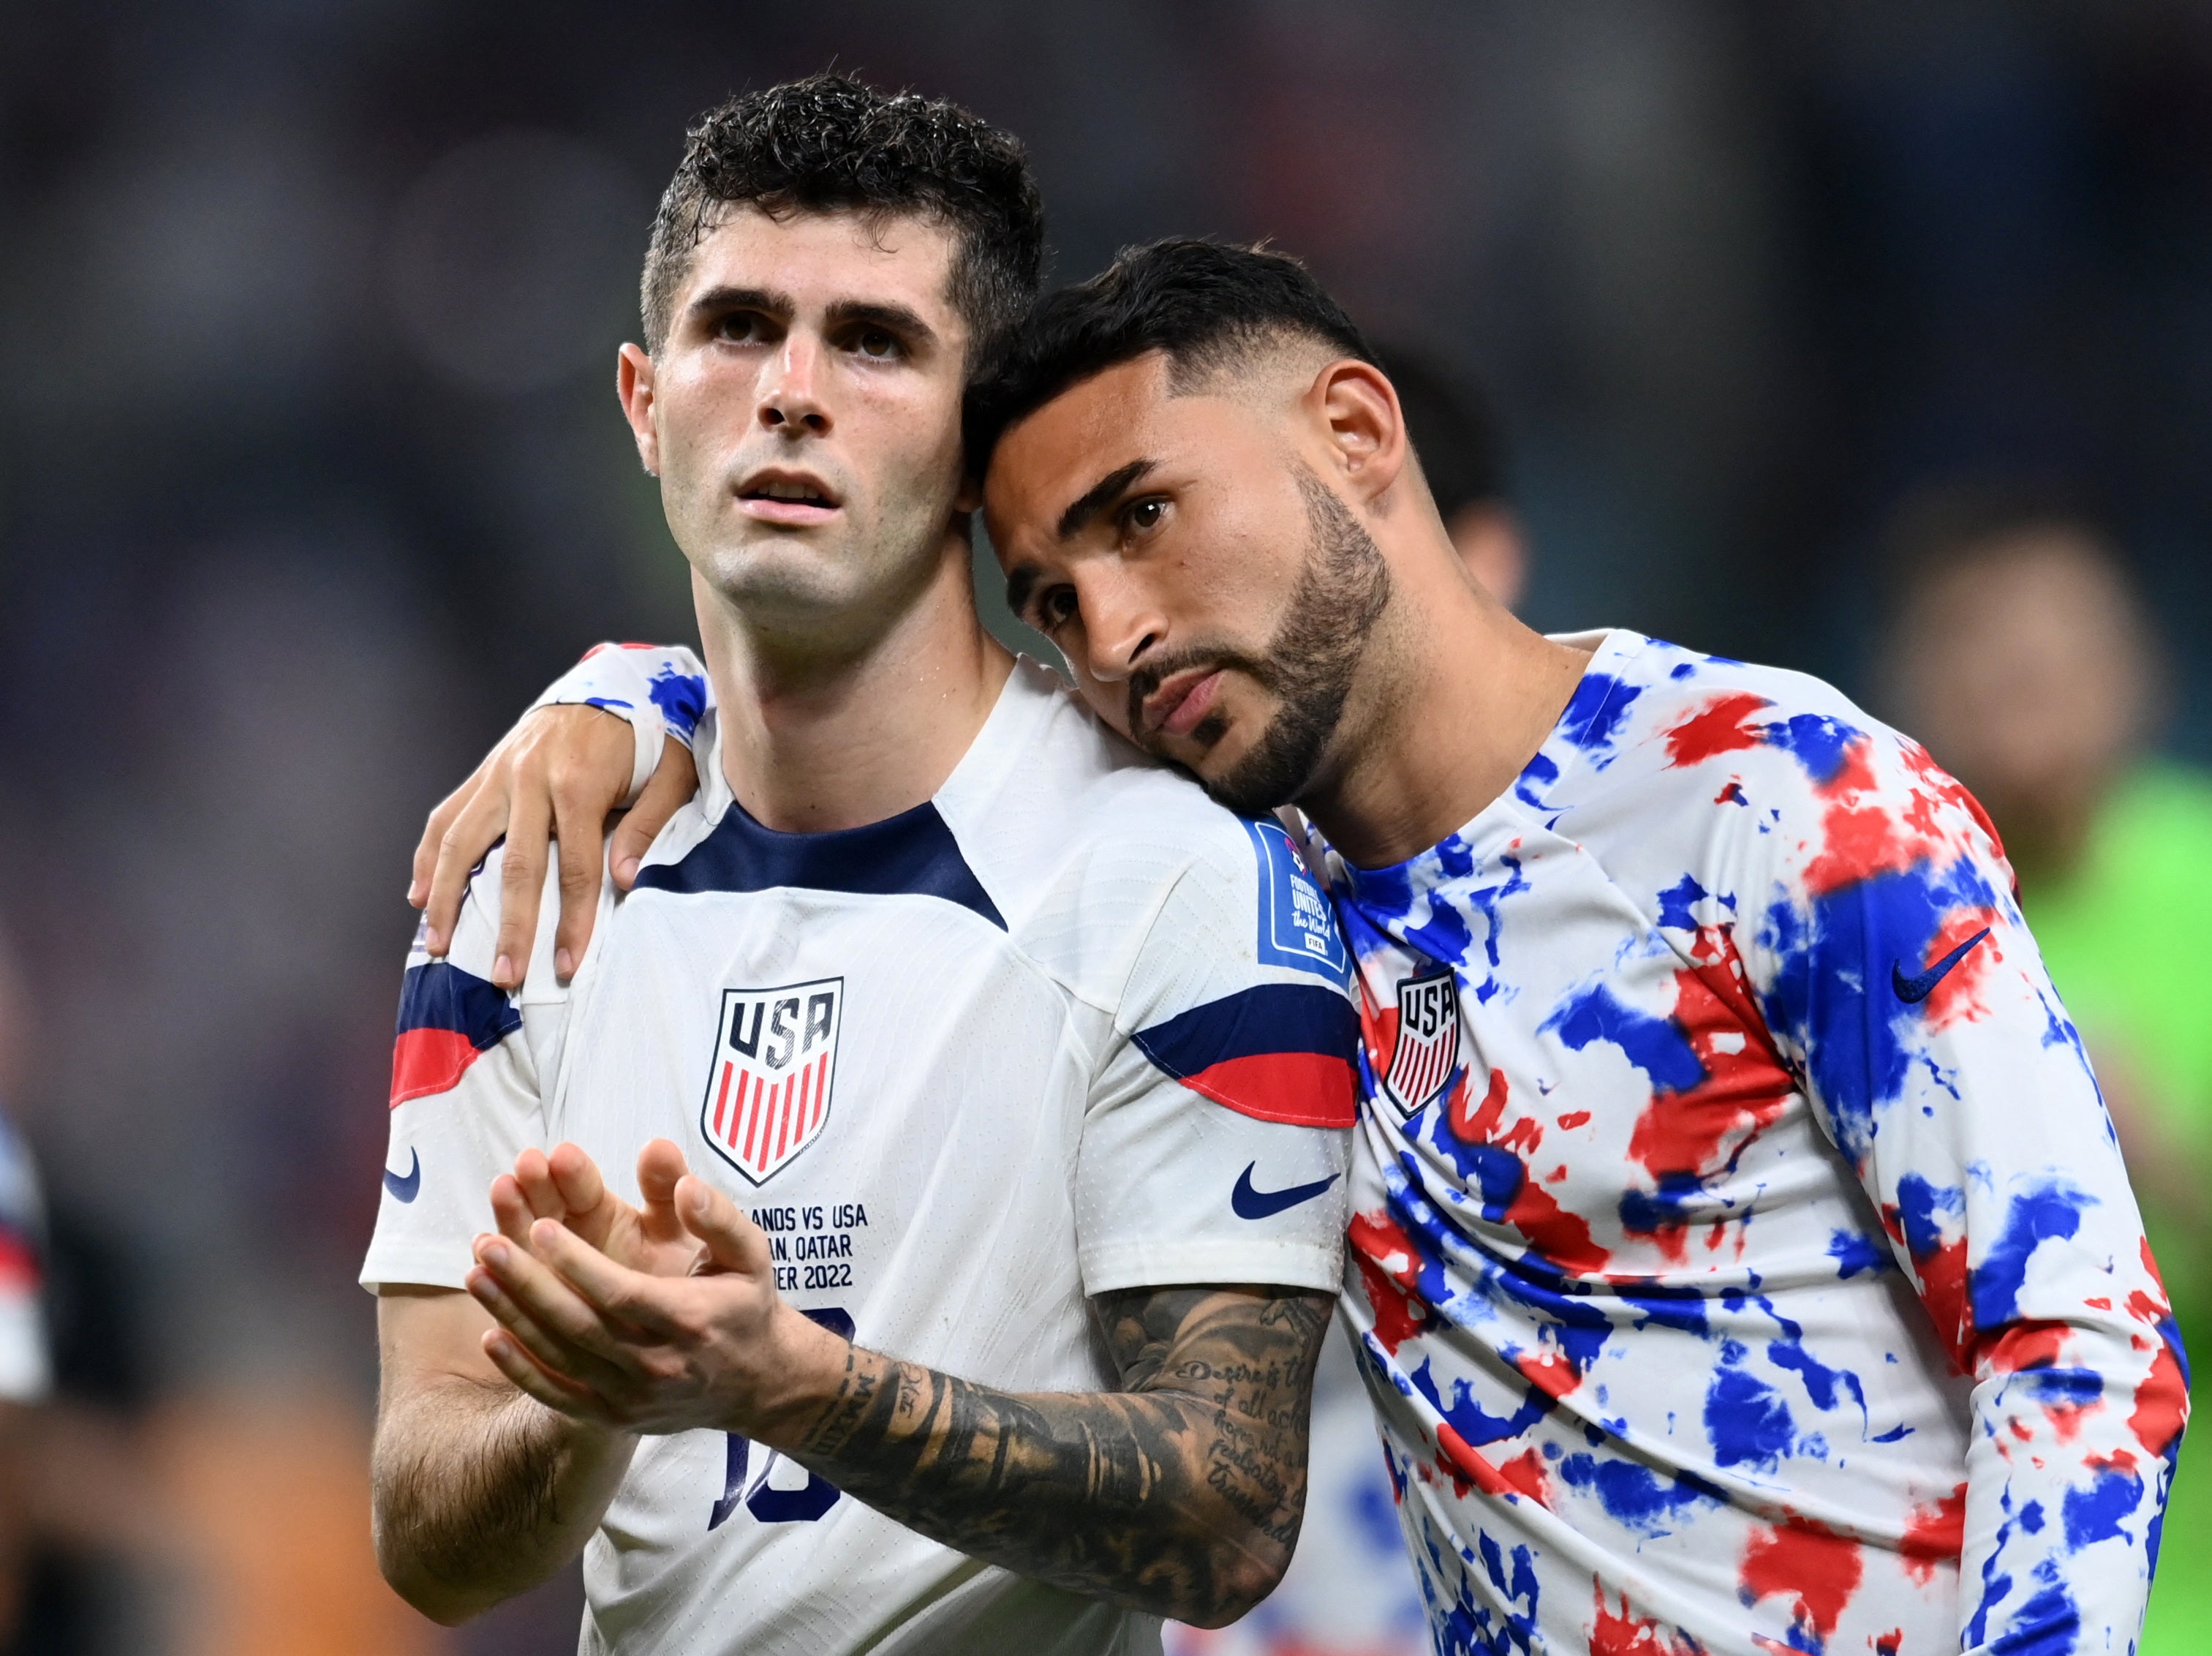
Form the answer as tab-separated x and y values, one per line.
792	400
1120	625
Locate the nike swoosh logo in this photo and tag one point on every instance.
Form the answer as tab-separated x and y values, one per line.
1911	990
404	1189
1249	1203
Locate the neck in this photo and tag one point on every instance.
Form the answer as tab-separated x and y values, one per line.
817	735
1454	700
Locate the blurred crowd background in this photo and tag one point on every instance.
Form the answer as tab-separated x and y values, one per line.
1871	339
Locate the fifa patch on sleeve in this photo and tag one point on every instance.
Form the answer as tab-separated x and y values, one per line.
1297	928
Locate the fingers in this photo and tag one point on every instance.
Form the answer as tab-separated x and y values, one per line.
469	833
557	1391
534	1171
587	1278
576	1177
733	1241
511	1214
434	833
521	877
661	1169
580	816
562	1358
518	1285
674	781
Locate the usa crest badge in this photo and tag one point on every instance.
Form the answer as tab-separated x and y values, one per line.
1427	1053
774	1068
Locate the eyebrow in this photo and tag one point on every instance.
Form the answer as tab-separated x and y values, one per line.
1101	495
843	313
766	300
883	314
1020	584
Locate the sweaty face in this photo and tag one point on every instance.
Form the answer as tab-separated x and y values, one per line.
803	410
1215	598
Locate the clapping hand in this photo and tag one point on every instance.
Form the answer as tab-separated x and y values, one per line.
663	1319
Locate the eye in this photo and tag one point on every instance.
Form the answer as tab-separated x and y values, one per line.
1142	516
1055	608
741	327
876	343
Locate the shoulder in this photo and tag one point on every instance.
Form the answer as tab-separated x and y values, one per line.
1084	842
1699	760
1054	796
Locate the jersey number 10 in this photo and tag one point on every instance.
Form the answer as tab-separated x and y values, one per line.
800	1506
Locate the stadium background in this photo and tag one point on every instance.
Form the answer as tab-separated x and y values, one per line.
310	475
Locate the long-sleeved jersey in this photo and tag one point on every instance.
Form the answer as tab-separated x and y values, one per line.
1741	1253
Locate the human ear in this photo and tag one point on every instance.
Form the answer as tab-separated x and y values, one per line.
1365	429
634	384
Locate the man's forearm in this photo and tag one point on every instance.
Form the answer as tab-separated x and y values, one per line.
481	1493
1181	1495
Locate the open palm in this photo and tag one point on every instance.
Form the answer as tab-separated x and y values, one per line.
566	1185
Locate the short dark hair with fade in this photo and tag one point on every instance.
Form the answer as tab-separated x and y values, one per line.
829	144
1207	304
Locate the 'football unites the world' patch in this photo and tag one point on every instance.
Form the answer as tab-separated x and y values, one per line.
1297	928
774	1066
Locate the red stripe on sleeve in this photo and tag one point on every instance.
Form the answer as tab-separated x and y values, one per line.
426	1061
1299	1089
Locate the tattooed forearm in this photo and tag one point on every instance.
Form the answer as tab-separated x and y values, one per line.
1181	1494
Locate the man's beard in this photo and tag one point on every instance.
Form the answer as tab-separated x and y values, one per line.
1308	665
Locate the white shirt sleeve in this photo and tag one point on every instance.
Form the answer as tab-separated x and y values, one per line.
660	689
471	1067
1216	1137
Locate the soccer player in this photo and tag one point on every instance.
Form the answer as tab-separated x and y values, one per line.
1743	1259
940	1024
24	1371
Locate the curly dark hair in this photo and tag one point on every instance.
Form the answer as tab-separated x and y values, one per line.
1207	304
829	144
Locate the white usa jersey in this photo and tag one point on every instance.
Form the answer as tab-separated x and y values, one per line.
1066	1028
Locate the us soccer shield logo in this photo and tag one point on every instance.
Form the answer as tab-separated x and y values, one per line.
1427	1054
774	1066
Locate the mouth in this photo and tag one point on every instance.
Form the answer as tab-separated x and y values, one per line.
1181	700
781	495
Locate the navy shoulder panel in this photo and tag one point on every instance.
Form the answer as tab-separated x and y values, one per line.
911	854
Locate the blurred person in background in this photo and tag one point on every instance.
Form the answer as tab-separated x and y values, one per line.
81	1555
2021	654
23	1367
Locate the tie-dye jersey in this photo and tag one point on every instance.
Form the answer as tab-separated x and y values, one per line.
1741	1252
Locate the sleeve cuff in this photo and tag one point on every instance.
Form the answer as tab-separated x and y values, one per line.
1277	1263
415	1267
621	679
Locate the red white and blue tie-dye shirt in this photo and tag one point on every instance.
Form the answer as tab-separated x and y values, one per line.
1742	1256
